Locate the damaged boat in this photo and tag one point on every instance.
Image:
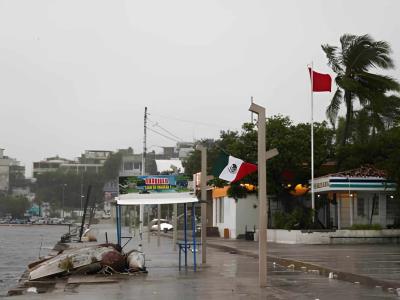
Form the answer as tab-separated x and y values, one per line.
85	260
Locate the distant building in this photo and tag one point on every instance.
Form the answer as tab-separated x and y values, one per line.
12	174
4	172
131	164
91	161
181	151
173	166
50	164
95	156
184	149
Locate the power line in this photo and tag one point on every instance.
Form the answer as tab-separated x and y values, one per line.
161	134
165	130
188	121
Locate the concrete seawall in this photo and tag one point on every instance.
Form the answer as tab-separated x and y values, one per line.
334	237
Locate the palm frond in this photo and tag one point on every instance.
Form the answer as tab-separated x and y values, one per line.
349	84
363	53
345	41
333	59
378	82
383	60
334	106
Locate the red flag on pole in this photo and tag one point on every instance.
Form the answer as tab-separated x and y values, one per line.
321	82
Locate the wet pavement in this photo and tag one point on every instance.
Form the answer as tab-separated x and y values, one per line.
380	261
226	275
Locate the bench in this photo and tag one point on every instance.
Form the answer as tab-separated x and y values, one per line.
189	246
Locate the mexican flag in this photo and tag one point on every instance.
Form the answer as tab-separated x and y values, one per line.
231	169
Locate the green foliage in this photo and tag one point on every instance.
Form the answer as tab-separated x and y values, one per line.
366	227
299	218
236	191
14	205
111	166
53	186
292	141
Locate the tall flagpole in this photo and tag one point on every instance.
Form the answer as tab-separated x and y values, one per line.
312	143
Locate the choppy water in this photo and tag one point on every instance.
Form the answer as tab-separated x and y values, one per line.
19	245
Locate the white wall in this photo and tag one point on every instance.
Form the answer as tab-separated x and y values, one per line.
380	218
229	222
247	214
237	214
337	237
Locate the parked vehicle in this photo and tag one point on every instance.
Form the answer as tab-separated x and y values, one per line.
165	225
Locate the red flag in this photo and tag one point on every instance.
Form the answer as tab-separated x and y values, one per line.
321	82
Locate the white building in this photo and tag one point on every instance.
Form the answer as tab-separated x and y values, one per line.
234	216
50	164
170	166
359	196
131	164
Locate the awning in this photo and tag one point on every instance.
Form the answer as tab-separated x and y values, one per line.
156	198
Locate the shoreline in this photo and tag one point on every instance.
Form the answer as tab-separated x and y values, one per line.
12	225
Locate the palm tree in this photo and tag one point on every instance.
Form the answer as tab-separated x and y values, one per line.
376	94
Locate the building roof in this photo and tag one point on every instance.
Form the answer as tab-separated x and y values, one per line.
362	172
165	165
365	178
155	198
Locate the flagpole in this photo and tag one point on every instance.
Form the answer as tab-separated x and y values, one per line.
312	143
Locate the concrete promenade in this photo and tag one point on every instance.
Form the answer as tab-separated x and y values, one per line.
369	264
227	275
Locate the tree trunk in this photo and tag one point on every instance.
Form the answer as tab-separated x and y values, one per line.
349	117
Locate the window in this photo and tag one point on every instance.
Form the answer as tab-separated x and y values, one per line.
128	165
137	166
360	207
220	210
392	206
375	204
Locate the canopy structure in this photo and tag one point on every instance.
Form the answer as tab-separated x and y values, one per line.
156	198
159	198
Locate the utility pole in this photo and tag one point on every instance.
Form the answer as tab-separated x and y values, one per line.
203	190
262	195
141	207
251	113
81	193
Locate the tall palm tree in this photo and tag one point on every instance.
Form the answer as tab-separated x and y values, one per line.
375	93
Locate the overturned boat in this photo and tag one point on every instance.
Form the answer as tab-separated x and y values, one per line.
90	259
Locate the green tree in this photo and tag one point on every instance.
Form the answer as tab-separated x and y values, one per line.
14	205
292	141
112	166
352	64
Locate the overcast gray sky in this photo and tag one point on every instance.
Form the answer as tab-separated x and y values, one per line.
76	74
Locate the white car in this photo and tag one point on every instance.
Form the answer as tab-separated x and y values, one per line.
164	225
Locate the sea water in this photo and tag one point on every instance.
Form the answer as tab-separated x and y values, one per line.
21	245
